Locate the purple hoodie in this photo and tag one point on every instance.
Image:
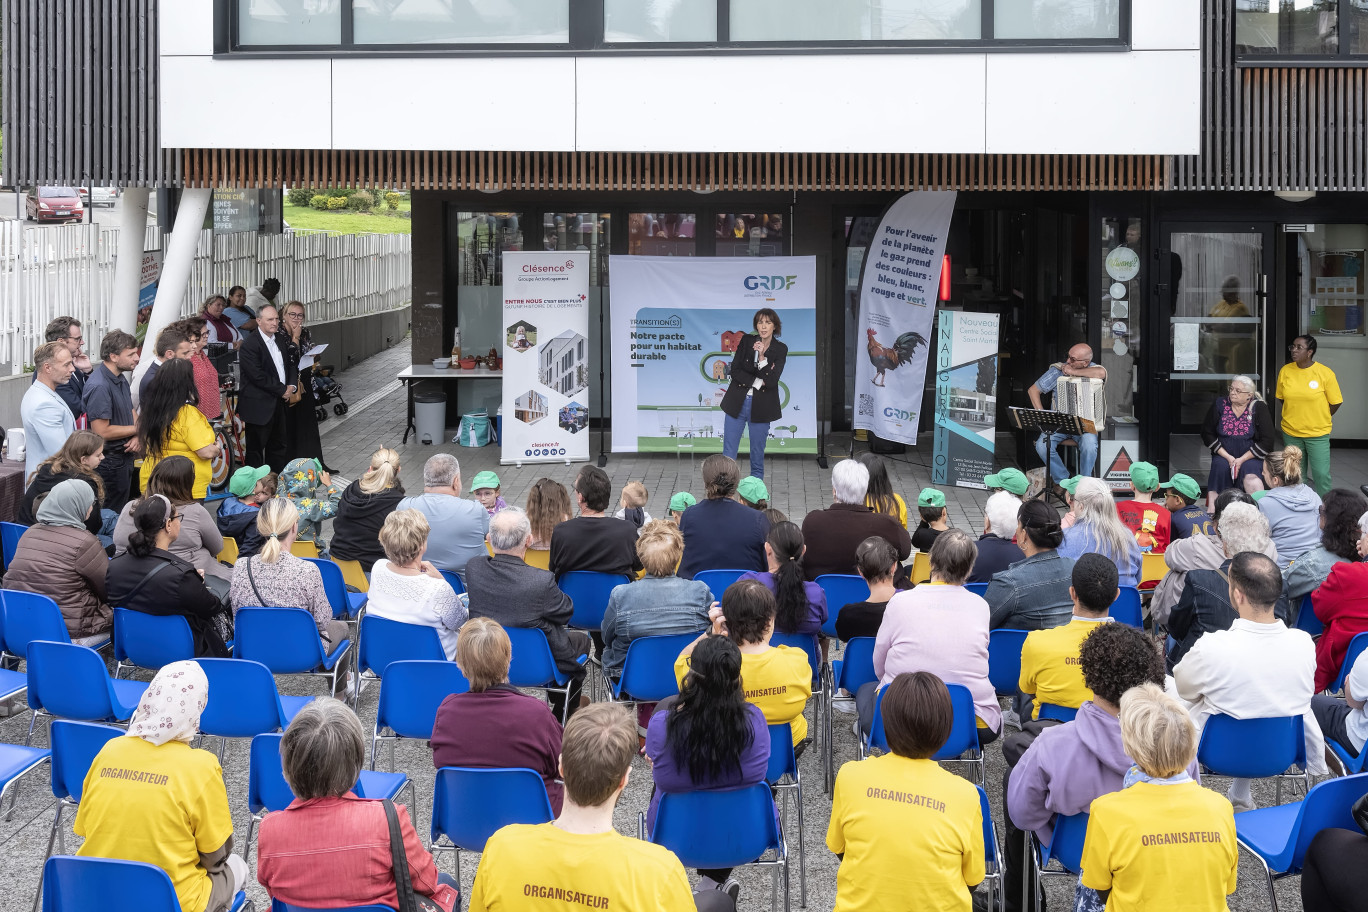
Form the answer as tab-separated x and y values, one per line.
1066	768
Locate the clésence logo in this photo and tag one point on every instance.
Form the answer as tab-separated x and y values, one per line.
900	414
770	283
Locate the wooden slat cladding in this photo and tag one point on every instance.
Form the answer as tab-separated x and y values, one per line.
660	171
1274	128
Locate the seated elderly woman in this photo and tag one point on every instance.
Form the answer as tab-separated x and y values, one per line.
182	825
997	547
329	848
833	534
1196	552
406	588
516	729
659	603
60	558
1099	529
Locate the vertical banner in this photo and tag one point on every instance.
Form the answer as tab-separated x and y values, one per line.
897	304
966	398
545	356
676	322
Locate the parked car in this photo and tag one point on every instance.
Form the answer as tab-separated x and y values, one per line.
103	196
53	204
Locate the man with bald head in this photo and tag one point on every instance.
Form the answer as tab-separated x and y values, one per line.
1078	364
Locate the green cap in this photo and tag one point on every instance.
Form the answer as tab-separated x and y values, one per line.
1011	480
1069	484
682	501
245	479
485	479
1185	485
930	497
1144	477
752	489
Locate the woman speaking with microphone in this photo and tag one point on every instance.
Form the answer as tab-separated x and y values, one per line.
753	397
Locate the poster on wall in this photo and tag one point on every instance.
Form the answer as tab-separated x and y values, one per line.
898	291
545	337
676	323
966	398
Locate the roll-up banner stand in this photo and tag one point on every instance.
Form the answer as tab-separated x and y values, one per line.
966	398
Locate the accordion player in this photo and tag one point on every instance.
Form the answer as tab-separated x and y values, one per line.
1078	388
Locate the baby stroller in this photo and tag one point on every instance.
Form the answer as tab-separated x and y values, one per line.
325	390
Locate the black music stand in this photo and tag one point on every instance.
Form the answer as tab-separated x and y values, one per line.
1050	423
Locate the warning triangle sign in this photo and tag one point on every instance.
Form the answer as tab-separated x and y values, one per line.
1118	473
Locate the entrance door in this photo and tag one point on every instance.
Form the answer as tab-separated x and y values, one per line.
1214	282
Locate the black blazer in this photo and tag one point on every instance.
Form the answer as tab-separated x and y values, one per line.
261	387
765	402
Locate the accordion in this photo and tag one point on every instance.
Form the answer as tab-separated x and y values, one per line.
1082	397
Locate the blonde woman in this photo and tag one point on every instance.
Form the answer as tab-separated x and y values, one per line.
548	505
363	509
1293	509
275	578
406	588
1098	529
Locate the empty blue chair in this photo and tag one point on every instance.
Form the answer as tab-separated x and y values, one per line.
71	682
784	776
381	641
1306	618
1065	848
74	748
10	533
410	694
718	580
243	700
727	828
469	805
30	616
1356	647
854	668
979	589
345	605
648	670
1057	712
72	884
1004	659
534	666
286	640
15	763
589	591
1254	748
453	580
1126	608
963	743
150	641
12	683
1278	836
841	589
994	869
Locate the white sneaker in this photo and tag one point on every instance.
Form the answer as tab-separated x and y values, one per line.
843	705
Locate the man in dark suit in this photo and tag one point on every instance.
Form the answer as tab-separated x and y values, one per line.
503	587
268	379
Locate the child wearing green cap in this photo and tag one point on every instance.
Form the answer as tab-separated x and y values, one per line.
935	519
1147	519
1181	493
485	487
753	493
679	502
248	489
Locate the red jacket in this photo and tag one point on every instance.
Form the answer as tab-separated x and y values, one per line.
331	852
1341	604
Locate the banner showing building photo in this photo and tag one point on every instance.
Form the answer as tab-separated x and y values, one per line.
545	356
966	398
898	292
676	324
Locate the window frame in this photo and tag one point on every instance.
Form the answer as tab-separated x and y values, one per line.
1340	58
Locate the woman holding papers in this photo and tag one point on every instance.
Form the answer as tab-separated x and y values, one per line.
301	417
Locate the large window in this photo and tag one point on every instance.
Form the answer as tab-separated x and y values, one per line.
857	20
1325	30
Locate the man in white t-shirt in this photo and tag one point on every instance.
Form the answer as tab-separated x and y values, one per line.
1345	721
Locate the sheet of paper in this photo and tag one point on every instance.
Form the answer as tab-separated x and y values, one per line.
1185	342
310	357
317	350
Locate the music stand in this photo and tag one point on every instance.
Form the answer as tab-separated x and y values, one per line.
1050	423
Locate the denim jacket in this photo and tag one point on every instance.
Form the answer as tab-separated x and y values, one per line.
652	606
1032	594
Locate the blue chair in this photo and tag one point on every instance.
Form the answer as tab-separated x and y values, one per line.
286	640
727	828
963	743
278	906
784	776
345	605
71	682
648	669
12	683
719	580
808	645
268	791
469	805
30	616
380	641
150	641
1057	712
72	884
979	589
1356	647
74	748
1254	748
994	868
841	589
1278	836
854	668
1126	608
1004	659
453	580
1065	848
15	763
589	591
410	694
10	533
243	700
534	666
1306	618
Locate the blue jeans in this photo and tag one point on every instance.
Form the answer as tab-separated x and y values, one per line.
759	433
1087	454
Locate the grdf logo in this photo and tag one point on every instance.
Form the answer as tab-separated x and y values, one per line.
900	414
770	283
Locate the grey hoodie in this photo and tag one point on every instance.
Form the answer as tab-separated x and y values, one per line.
1293	515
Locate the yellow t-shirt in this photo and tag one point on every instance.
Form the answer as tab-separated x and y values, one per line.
1306	397
190	431
1050	668
528	867
908	829
1169	847
779	681
902	508
159	804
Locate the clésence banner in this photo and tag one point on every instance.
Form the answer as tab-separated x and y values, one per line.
676	323
898	291
545	356
966	398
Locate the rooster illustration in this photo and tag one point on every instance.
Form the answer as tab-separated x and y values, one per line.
886	359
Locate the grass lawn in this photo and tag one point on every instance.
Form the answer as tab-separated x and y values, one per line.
347	221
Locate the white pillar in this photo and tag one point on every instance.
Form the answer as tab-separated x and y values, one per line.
128	261
175	272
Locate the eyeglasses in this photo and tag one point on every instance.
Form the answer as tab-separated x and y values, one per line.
1298	347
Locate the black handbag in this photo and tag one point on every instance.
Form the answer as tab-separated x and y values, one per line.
1360	812
409	901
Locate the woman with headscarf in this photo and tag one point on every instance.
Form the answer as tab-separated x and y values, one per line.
59	558
174	812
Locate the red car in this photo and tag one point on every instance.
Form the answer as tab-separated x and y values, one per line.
54	204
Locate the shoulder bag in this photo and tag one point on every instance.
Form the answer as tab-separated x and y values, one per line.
409	900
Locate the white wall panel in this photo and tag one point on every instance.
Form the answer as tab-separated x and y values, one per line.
247	104
186	27
1166	25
